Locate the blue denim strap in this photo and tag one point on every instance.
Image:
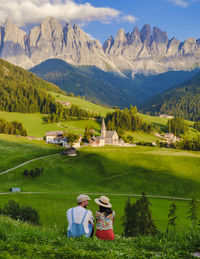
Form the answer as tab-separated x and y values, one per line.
72	215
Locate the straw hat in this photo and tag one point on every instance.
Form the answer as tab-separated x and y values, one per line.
103	201
83	197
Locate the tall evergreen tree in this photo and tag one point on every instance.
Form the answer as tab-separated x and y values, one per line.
138	218
172	216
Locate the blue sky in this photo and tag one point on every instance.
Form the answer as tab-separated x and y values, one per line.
102	18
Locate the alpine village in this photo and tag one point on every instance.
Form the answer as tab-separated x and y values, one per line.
83	114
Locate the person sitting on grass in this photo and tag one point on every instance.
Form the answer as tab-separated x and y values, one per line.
80	220
104	219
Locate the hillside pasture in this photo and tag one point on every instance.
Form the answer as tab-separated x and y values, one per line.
52	208
114	171
84	104
16	150
36	126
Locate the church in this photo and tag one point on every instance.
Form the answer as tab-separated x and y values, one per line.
110	137
106	138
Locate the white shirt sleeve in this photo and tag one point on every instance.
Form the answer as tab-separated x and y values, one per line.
90	217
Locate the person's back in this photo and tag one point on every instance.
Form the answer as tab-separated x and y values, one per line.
104	219
80	220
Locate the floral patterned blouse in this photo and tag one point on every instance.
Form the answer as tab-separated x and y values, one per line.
104	223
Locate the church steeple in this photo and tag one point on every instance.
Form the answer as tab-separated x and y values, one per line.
103	129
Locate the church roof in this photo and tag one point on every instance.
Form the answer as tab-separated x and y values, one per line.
110	133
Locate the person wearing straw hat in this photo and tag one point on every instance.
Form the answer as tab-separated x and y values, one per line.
80	220
104	219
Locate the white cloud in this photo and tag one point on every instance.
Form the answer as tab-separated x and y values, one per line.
129	18
183	3
23	12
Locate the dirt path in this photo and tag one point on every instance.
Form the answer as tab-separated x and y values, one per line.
109	194
38	158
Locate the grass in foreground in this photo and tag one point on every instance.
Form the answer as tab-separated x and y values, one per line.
20	240
52	209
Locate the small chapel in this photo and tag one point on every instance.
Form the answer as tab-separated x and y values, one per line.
110	137
106	137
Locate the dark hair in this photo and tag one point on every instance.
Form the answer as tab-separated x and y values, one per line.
107	211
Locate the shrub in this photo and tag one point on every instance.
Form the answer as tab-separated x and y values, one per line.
25	213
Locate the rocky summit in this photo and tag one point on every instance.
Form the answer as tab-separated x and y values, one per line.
141	51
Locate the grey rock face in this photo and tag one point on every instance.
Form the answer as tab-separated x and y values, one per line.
139	51
146	52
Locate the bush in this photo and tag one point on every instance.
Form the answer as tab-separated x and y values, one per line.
25	213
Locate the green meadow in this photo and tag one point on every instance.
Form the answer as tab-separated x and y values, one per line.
115	171
84	104
36	126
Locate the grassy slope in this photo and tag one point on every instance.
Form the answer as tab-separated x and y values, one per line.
14	151
35	125
20	240
103	170
82	103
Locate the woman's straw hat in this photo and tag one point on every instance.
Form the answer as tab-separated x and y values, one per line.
103	201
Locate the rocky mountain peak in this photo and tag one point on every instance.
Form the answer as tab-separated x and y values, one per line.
108	44
138	51
145	33
121	36
159	36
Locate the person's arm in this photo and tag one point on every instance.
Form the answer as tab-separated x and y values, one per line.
91	218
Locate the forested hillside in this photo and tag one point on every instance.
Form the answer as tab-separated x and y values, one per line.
22	91
107	87
182	100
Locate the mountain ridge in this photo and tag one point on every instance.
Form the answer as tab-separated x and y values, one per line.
106	87
182	100
139	51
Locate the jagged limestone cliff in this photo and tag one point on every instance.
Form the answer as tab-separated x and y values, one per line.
139	51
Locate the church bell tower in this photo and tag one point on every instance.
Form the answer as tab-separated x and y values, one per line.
103	129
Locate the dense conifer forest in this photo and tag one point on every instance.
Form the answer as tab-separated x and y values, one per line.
182	101
12	128
22	91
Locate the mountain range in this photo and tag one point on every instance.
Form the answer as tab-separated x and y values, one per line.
141	51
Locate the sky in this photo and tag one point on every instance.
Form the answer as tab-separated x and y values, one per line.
103	18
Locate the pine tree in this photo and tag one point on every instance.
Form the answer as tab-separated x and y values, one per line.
172	216
138	218
193	211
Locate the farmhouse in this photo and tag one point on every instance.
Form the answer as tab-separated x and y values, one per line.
54	136
170	137
166	116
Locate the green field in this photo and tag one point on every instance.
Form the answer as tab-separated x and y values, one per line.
35	125
82	103
110	170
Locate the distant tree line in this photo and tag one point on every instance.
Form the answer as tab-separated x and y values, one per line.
24	213
188	144
197	125
33	172
64	114
12	128
126	120
177	126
